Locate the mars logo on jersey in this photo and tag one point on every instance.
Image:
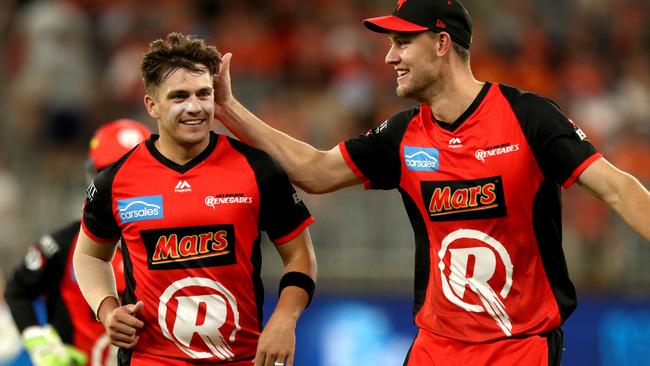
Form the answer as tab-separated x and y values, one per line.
473	260
464	199
197	314
140	208
421	158
190	247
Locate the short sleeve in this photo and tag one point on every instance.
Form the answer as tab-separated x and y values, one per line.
375	156
560	147
283	214
98	221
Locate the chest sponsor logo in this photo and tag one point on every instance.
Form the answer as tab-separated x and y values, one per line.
190	247
140	208
455	143
476	272
182	186
421	158
496	150
201	317
453	200
227	199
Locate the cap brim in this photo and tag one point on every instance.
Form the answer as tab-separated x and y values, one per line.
392	23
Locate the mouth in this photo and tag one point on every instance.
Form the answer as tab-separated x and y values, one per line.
401	74
192	122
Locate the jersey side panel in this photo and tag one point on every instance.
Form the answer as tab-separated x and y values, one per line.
562	151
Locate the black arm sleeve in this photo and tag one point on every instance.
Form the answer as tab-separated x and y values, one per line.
39	274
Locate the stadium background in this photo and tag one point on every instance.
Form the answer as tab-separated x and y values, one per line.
311	69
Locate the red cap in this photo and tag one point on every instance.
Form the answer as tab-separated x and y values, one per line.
420	15
114	139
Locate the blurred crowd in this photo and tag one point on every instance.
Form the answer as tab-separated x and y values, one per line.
311	69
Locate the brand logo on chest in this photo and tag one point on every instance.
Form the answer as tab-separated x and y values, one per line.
421	158
140	208
496	150
464	199
190	247
227	199
182	186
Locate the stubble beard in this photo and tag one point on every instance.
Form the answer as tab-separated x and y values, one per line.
421	89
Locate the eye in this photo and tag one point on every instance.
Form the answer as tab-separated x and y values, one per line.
205	93
400	43
177	97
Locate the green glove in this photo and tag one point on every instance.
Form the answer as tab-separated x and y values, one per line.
45	348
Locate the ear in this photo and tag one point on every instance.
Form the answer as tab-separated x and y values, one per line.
151	105
444	44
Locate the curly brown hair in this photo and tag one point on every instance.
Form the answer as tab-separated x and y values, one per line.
177	51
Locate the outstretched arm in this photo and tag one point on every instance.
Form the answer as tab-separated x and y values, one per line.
313	170
621	191
92	267
278	340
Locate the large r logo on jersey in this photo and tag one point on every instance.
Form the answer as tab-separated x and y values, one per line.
205	314
474	267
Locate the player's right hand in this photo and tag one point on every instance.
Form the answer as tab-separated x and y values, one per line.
45	348
222	87
122	325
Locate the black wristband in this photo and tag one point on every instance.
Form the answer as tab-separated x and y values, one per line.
298	279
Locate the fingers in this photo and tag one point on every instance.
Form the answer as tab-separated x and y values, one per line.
127	315
224	68
123	325
135	308
273	359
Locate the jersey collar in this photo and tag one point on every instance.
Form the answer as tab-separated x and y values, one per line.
468	112
214	138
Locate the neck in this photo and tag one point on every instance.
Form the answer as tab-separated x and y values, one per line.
457	92
178	153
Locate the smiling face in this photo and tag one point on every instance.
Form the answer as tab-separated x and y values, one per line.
183	105
413	55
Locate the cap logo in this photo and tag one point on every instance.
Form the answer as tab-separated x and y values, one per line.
400	3
440	24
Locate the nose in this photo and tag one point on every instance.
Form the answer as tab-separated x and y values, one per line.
192	105
392	57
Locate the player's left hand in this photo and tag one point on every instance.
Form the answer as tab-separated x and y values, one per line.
277	342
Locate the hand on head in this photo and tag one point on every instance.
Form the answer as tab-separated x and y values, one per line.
222	84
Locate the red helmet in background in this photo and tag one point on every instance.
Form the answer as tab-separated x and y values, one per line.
114	139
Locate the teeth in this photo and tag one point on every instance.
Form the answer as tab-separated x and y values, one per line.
192	122
401	73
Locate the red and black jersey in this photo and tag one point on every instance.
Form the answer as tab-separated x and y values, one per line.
47	271
483	197
191	242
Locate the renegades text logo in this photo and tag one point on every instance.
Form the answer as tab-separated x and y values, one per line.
464	199
190	247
